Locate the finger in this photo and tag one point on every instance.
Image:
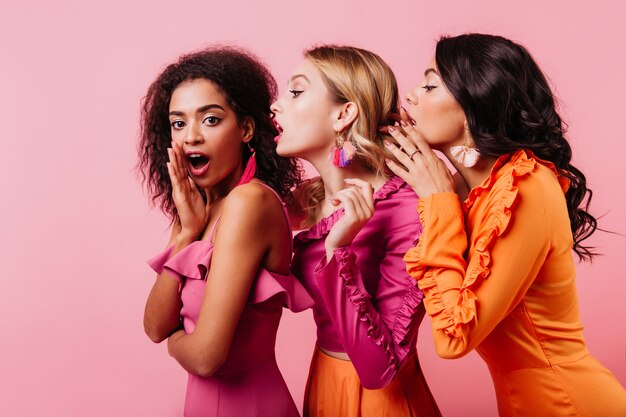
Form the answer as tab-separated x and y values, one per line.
173	178
365	187
182	161
192	186
181	183
418	141
398	170
173	164
181	166
401	156
404	115
392	116
354	196
347	203
407	145
395	116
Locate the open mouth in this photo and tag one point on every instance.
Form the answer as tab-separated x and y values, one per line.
280	131
197	163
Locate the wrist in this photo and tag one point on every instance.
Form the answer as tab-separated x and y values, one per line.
184	238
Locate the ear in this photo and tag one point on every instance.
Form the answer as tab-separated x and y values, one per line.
345	115
247	129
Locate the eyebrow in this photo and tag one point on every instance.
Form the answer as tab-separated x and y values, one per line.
293	77
199	110
429	70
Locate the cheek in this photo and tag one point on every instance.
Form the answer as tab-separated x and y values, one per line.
439	122
177	136
310	123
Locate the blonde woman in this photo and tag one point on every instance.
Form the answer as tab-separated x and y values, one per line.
367	308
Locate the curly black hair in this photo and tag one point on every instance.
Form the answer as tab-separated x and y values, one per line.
509	106
249	88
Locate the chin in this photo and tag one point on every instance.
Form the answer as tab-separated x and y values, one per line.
283	150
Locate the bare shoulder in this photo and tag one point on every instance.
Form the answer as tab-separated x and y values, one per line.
253	201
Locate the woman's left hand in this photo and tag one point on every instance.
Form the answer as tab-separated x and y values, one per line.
424	171
358	204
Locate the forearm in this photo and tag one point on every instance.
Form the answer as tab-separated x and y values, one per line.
365	337
466	300
194	354
162	311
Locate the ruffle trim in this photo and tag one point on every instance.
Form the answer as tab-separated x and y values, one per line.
522	163
521	157
193	263
402	328
365	310
322	228
157	262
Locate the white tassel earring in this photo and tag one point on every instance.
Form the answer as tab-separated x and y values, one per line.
464	154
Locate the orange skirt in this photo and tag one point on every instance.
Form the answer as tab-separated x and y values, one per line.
334	390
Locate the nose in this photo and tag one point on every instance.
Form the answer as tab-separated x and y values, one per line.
193	135
411	98
275	108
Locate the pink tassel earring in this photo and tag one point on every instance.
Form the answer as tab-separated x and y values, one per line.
250	171
342	153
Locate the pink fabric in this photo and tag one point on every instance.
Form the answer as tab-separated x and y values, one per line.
249	382
365	302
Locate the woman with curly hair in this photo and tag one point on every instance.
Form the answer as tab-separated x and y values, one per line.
208	157
497	269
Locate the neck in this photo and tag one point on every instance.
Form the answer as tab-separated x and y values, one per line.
225	186
333	178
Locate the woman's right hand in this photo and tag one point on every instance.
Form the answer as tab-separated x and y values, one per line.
418	165
193	212
358	203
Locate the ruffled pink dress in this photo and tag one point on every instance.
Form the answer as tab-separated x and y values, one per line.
367	306
249	382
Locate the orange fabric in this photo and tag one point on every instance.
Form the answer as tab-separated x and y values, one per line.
504	283
334	390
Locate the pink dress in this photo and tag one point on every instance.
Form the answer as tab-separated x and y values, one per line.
366	304
249	383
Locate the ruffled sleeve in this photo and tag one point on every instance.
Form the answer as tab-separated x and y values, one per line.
193	263
269	284
376	330
468	295
158	261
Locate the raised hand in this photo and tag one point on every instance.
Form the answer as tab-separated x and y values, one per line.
193	212
420	167
358	204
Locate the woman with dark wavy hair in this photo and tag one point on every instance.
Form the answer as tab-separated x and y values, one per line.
495	257
209	160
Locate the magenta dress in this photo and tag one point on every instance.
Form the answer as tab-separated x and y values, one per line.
249	382
366	304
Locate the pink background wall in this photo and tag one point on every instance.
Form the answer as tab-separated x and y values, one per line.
76	228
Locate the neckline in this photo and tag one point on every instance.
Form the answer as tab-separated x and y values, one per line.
522	158
323	226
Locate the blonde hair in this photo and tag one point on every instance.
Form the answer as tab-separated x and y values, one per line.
362	77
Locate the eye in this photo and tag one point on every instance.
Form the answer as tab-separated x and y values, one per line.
177	124
211	120
296	93
429	87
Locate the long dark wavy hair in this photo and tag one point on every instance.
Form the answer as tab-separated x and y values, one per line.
249	89
509	106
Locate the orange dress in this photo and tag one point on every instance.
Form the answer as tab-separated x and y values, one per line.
498	275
